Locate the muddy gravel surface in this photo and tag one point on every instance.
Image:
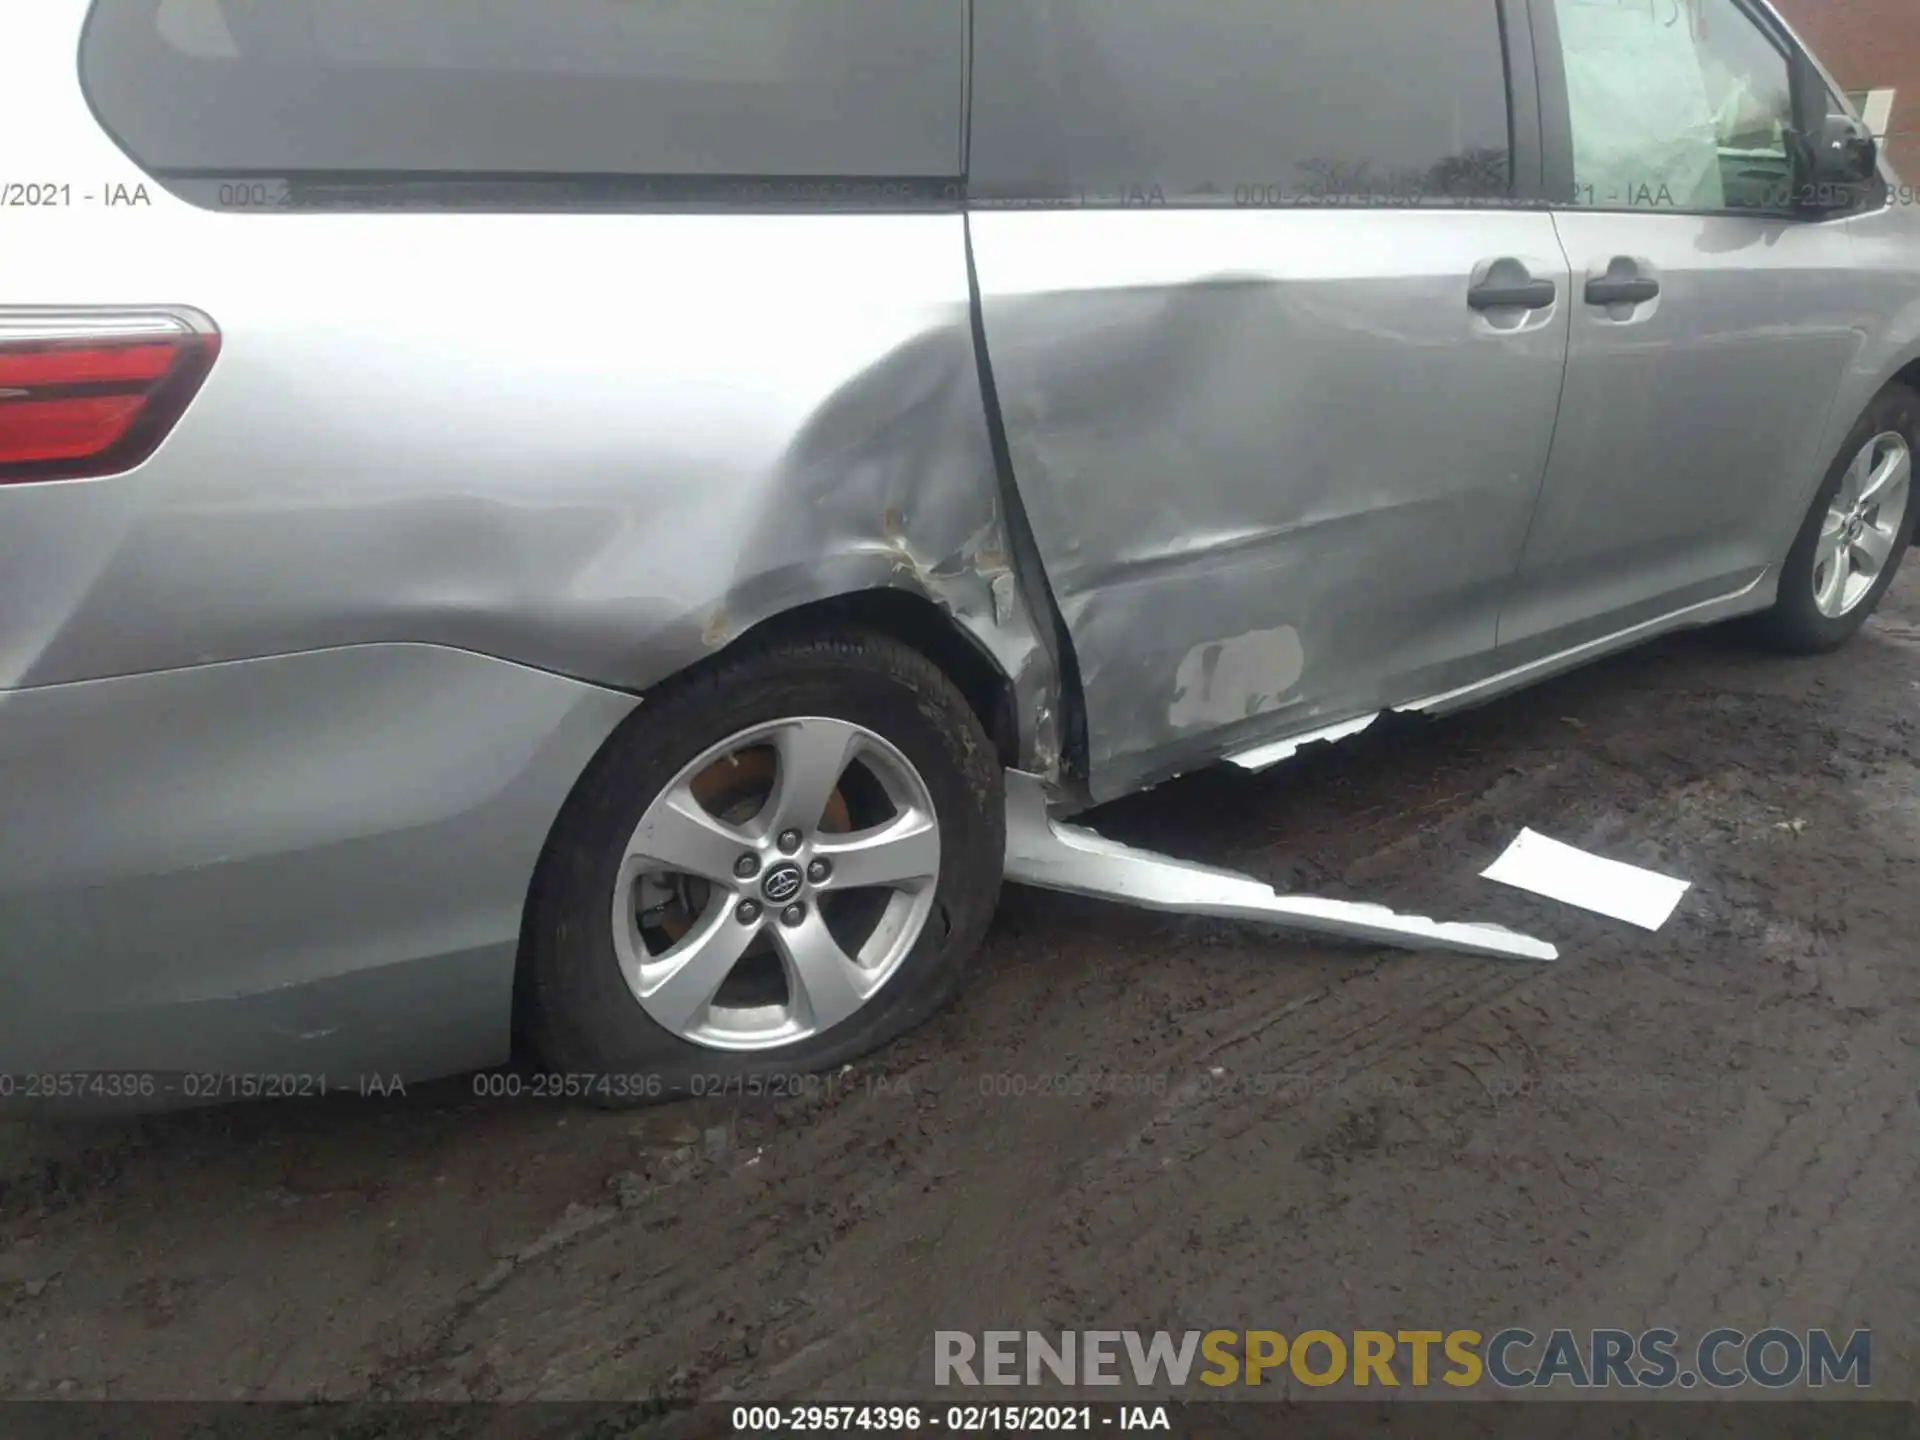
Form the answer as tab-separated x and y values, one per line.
1137	1121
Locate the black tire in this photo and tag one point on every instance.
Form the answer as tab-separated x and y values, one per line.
1795	623
577	1013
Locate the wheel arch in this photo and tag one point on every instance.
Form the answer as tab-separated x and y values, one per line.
905	616
1016	722
1906	377
919	623
1859	391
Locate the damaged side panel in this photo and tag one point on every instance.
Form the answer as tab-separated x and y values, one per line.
672	465
387	513
1278	470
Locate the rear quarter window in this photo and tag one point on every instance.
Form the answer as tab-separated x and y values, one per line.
453	90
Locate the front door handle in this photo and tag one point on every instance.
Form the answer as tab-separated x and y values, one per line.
1621	290
1510	286
1625	283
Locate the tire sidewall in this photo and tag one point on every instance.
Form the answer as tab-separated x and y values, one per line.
585	1015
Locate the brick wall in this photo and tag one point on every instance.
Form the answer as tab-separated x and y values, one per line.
1870	45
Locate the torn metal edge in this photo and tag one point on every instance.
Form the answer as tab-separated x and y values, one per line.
1267	754
1048	855
1265	757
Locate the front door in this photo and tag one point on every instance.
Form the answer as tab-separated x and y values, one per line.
1710	322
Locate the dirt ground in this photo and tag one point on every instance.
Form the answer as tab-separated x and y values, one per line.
1132	1121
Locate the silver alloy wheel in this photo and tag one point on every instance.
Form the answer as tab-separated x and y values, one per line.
1862	524
763	887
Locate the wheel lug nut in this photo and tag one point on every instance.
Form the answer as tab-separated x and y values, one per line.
747	866
789	841
818	871
793	915
747	912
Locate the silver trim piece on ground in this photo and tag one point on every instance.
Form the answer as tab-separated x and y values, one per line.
1051	856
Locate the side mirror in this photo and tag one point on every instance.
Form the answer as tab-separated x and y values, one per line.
1847	153
1842	164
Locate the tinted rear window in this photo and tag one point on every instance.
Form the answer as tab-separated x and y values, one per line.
863	88
1209	100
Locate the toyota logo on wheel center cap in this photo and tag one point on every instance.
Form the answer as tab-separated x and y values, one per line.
782	883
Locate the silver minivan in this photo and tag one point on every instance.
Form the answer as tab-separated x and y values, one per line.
622	521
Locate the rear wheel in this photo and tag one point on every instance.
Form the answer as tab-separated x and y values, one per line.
1853	538
772	868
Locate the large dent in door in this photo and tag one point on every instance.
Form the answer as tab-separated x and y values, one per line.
1228	562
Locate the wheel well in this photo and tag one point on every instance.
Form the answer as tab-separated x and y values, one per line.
1909	377
912	620
916	621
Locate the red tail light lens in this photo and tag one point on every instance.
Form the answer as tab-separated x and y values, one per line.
86	393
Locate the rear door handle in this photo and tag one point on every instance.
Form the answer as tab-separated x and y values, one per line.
1510	289
1621	290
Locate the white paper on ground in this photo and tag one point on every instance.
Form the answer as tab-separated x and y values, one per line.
1607	887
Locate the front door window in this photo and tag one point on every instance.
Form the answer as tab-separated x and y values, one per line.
1675	104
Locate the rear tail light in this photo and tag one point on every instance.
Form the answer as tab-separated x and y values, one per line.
86	393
